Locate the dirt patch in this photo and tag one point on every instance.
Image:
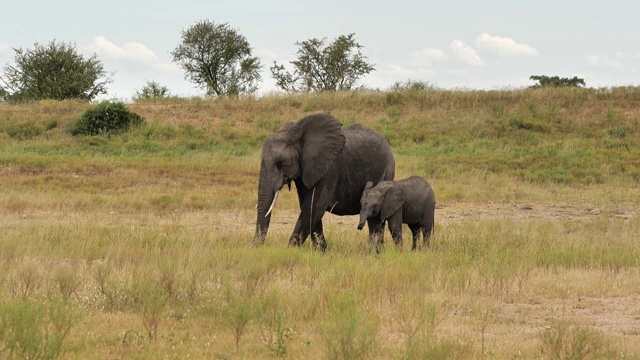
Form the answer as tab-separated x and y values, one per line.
455	212
447	213
284	218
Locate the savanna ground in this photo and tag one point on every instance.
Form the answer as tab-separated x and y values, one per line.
138	245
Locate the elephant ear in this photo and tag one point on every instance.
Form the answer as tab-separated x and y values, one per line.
321	140
393	201
286	126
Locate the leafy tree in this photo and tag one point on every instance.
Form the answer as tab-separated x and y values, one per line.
53	71
555	81
218	59
321	67
151	90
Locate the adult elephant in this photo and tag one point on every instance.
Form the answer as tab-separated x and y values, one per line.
330	167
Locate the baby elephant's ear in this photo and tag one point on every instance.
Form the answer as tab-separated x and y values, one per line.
393	200
368	185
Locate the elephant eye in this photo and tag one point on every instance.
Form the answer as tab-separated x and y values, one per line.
282	164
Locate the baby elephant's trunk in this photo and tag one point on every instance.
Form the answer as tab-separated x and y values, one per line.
363	219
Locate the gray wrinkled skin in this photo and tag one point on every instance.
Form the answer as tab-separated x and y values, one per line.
409	201
329	166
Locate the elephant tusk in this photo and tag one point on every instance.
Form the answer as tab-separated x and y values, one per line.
334	205
272	203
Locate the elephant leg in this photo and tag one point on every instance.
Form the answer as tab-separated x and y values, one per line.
427	230
303	229
376	233
309	222
317	237
415	232
299	235
395	228
426	234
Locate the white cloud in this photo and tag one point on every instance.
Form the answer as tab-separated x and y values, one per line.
133	53
504	46
465	53
615	61
457	72
132	64
267	55
398	72
5	49
426	57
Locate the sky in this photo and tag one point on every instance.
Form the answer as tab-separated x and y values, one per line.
484	45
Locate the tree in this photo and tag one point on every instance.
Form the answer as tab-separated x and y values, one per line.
218	59
555	81
53	71
151	90
320	67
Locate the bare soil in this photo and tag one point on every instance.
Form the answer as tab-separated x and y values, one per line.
454	212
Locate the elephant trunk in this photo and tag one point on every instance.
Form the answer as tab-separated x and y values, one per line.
267	195
262	220
363	219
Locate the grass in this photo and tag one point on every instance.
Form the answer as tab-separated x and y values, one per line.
138	245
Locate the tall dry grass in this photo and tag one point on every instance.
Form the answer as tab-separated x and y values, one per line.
138	245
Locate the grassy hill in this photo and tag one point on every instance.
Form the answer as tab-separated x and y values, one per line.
139	244
568	137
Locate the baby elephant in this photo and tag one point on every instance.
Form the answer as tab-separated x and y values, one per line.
410	201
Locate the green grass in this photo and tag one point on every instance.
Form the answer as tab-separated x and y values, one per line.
138	245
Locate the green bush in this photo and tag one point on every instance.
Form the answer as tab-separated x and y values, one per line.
106	118
30	330
151	91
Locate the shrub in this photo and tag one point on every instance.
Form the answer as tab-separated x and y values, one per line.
106	118
30	330
152	90
411	85
349	332
564	340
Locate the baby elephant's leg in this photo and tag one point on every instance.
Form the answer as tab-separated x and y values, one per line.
395	228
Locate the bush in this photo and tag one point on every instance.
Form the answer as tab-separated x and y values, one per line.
564	340
107	118
152	90
31	330
411	85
